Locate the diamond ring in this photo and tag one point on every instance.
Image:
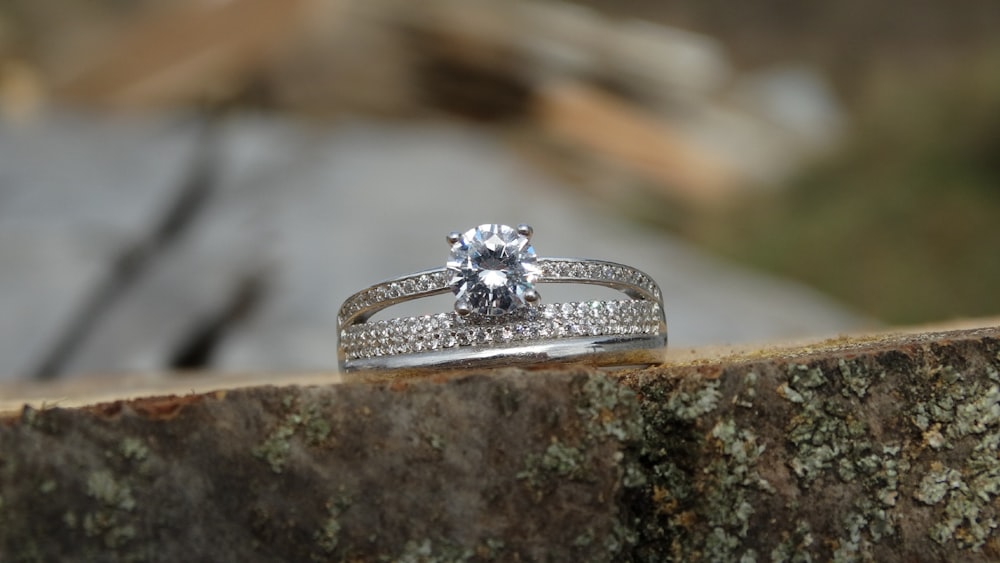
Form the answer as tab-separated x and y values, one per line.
499	318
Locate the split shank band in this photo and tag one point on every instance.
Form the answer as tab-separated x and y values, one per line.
499	318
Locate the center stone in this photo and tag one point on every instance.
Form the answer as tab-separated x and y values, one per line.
491	267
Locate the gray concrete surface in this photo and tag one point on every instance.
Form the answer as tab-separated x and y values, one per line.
77	195
303	216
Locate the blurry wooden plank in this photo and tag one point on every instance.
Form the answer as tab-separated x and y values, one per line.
602	123
111	175
171	313
185	53
44	282
77	197
212	270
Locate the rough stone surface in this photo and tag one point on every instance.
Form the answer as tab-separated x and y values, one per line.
489	467
881	449
878	452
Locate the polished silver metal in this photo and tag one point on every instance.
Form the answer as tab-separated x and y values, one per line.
630	331
599	351
640	347
462	307
367	302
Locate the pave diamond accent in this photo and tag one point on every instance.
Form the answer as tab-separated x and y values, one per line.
491	268
449	330
555	270
386	293
597	271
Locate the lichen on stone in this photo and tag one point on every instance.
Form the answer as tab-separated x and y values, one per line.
820	432
826	433
584	539
490	549
795	546
720	545
110	520
670	412
749	392
805	377
426	551
854	379
852	547
607	409
102	486
829	436
133	448
936	483
327	537
732	477
969	517
633	476
435	441
689	406
601	399
621	535
307	417
975	416
558	461
562	460
959	406
276	446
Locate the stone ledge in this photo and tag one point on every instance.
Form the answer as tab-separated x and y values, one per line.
879	448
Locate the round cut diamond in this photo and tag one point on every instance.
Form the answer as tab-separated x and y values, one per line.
491	267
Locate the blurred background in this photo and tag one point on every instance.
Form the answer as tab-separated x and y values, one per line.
196	185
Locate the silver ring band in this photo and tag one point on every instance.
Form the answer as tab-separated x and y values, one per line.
630	281
599	332
597	351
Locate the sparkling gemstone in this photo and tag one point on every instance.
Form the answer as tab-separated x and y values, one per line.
394	290
483	335
425	283
506	333
568	310
491	267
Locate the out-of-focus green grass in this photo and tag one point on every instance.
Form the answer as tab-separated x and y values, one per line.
904	221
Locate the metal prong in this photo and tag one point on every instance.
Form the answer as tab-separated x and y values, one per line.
454	237
525	230
532	296
462	307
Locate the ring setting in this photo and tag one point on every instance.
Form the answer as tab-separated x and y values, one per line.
499	317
